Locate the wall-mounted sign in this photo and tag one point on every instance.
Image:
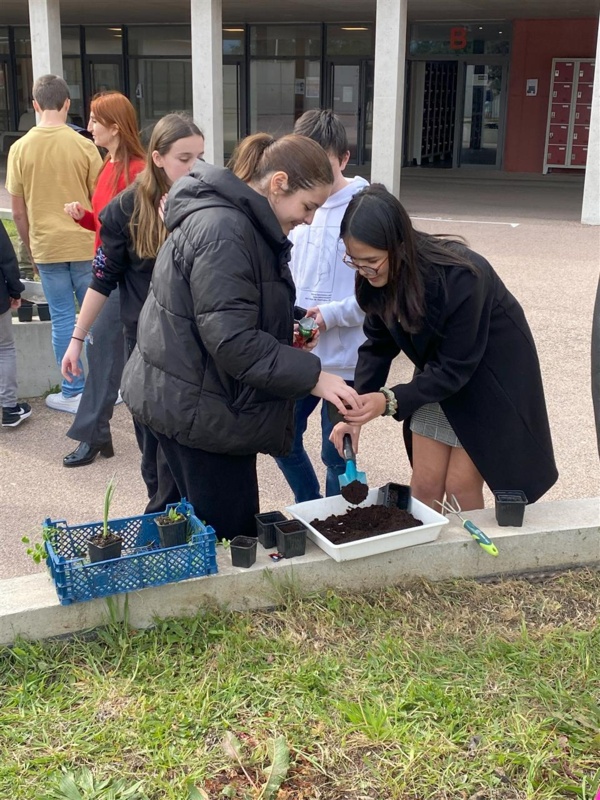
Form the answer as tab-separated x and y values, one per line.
458	38
532	87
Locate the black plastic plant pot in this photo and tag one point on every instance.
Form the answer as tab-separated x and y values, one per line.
43	310
25	313
291	538
394	495
112	549
172	534
243	551
265	527
510	507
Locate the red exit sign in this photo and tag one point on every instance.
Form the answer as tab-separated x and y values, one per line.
458	38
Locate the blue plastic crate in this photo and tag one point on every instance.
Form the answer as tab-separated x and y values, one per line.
143	563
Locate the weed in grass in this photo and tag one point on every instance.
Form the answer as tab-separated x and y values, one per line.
84	786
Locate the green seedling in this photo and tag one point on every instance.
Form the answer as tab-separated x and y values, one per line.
108	496
174	515
37	551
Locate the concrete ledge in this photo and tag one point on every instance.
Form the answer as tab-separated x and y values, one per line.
555	535
37	370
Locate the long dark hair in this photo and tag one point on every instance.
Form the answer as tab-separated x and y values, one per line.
376	218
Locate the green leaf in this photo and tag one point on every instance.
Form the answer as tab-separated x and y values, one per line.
197	794
279	753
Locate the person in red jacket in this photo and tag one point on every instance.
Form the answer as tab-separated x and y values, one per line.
113	125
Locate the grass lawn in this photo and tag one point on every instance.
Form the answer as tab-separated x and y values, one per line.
450	691
12	231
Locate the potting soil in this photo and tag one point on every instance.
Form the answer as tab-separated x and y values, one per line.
355	492
362	523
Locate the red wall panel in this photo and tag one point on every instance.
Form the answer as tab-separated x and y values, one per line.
535	43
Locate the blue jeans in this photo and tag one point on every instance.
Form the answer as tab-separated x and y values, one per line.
60	282
297	467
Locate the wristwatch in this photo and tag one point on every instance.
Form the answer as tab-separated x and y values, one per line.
391	404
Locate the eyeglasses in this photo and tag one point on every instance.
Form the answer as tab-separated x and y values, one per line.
367	270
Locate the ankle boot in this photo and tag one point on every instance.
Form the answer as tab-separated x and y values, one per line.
85	453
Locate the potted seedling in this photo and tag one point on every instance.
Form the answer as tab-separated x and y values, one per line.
105	544
172	528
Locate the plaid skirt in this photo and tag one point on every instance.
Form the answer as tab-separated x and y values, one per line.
430	421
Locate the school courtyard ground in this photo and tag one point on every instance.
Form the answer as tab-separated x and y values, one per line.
527	227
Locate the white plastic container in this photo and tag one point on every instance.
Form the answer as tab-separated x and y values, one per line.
395	540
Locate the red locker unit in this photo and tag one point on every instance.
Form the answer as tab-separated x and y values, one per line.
569	112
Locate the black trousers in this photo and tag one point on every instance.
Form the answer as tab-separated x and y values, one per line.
223	489
106	359
160	483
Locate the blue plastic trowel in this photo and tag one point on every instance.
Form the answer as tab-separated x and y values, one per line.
353	484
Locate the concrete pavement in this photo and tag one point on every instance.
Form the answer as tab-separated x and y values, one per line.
527	229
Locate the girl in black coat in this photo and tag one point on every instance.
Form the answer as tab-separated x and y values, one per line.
214	374
474	410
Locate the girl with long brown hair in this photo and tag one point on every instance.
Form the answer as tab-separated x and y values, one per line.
131	233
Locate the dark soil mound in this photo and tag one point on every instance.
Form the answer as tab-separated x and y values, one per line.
355	492
361	523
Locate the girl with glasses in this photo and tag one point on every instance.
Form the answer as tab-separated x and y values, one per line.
474	410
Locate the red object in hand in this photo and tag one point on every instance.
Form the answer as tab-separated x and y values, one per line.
307	328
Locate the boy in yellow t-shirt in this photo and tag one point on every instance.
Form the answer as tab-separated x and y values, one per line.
50	166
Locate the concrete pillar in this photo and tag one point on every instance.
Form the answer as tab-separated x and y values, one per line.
207	74
46	43
388	90
590	213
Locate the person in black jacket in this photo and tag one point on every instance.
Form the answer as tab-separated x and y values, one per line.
474	410
131	233
214	373
13	411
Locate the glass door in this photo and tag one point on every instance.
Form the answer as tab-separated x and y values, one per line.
350	93
105	74
482	123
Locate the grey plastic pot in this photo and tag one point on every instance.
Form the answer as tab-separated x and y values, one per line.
243	551
265	527
510	507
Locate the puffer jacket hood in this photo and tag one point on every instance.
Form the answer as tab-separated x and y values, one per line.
212	187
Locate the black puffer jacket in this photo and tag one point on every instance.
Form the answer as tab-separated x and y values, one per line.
214	368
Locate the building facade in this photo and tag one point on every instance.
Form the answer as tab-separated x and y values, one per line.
452	92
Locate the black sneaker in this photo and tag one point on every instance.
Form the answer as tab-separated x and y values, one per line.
11	417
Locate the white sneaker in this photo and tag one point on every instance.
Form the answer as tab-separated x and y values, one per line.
59	402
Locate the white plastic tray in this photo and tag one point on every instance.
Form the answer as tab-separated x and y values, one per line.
395	540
